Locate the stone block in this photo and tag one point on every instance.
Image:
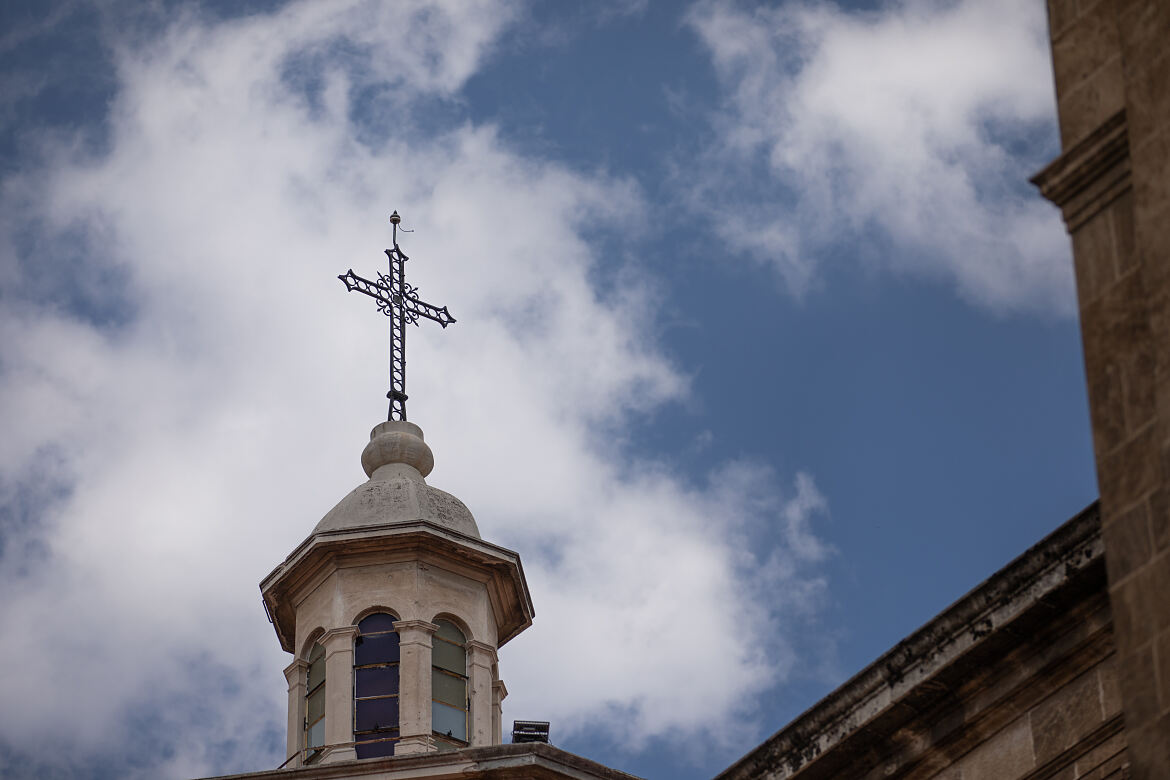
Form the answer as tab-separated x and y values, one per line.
1113	768
1143	27
1123	241
1090	102
1159	586
1160	517
1147	100
1136	675
1137	372
1102	759
1152	742
1063	718
1110	692
1129	472
1151	190
950	773
1087	44
1162	662
1094	251
1127	542
1140	604
1061	13
1005	756
1108	406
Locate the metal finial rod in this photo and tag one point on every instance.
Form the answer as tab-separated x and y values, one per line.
399	301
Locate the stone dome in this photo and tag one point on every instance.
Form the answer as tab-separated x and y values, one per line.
397	461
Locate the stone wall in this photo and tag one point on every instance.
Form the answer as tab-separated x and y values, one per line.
1112	66
1018	679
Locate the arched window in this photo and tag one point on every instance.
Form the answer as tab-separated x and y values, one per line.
449	686
375	686
315	703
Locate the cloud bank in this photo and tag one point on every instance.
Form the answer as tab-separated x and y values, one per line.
185	390
911	129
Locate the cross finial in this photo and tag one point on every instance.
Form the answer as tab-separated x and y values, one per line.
400	302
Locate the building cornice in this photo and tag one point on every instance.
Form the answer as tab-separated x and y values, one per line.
525	761
986	616
1090	175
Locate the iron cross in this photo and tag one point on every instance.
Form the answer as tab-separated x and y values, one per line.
399	301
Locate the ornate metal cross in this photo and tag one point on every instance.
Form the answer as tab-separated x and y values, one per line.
399	301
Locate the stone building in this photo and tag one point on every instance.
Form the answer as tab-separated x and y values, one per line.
393	609
1055	668
1058	666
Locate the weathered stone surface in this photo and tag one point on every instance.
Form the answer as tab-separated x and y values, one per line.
1103	759
1110	693
1065	717
960	698
1138	688
1130	470
1095	239
1086	45
1130	544
1092	101
1006	756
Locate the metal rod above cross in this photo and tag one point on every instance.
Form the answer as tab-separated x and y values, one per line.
400	302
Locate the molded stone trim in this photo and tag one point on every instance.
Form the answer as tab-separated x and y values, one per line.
298	667
415	631
1031	582
1090	175
498	568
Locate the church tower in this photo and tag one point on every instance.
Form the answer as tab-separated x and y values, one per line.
393	607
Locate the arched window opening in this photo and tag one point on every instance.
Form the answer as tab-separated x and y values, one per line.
449	686
315	703
375	686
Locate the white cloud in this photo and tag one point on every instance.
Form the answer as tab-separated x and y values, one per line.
200	398
914	127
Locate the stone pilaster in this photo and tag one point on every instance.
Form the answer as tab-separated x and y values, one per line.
481	657
295	674
414	694
499	693
1110	61
338	644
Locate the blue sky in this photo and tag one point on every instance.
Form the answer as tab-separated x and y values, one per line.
766	350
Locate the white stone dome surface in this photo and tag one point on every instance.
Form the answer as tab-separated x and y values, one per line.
397	461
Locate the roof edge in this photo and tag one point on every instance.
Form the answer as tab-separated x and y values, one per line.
1042	570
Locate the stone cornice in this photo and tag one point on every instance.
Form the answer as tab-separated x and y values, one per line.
525	761
349	632
482	650
1087	177
498	568
338	640
415	632
989	614
295	668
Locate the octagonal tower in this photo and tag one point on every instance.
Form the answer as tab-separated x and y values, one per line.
393	609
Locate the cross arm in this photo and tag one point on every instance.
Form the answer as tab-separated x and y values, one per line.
411	307
354	282
421	309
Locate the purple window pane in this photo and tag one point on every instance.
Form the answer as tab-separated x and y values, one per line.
377	649
379	621
377	714
375	749
378	681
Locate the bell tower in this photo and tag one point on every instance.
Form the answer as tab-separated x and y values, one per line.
393	607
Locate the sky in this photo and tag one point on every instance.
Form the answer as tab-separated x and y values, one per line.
765	351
